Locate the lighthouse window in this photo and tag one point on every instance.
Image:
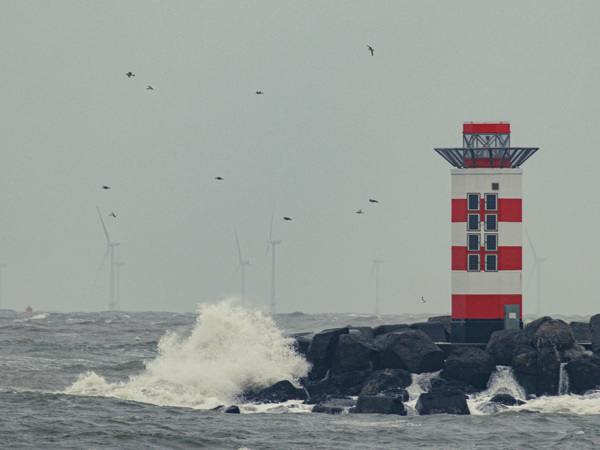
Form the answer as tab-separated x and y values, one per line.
491	222
491	263
491	202
473	263
473	242
495	186
472	222
473	202
491	242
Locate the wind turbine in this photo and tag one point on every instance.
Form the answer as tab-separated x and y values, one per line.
118	265
272	243
537	264
2	266
242	264
376	262
110	247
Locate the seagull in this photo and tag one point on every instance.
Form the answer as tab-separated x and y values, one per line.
105	186
218	178
372	200
112	214
259	92
371	49
130	74
286	218
360	211
150	88
423	300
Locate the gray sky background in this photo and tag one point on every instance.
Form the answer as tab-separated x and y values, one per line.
335	127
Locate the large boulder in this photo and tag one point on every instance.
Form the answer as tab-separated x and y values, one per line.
452	401
595	332
447	321
321	350
581	331
302	342
506	399
353	352
469	364
376	404
334	405
386	380
366	332
349	383
548	371
524	365
584	373
532	327
435	330
410	350
503	343
556	334
385	329
281	391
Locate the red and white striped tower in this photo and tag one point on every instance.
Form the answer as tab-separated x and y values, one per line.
486	231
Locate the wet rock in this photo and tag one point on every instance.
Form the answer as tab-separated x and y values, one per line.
385	329
349	383
584	373
532	327
233	409
595	333
353	352
302	342
506	399
334	405
435	330
452	401
555	334
366	332
503	343
321	350
375	404
441	384
581	331
524	366
469	364
548	371
385	380
571	353
447	321
410	350
281	391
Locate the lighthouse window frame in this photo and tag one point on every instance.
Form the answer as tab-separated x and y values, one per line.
473	222
473	202
491	202
491	242
491	222
473	264
491	262
473	242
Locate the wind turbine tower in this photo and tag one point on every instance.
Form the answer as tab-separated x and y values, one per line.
110	247
375	269
242	265
2	266
272	243
537	265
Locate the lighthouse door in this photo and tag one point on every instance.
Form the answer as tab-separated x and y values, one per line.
512	319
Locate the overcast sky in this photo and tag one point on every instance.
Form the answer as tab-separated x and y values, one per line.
335	127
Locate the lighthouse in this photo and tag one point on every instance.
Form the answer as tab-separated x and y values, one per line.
486	231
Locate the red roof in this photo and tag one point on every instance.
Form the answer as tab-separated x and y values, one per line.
486	127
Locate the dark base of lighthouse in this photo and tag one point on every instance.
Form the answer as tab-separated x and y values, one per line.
476	330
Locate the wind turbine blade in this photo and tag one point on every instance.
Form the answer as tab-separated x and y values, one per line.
270	234
531	245
531	274
118	253
103	226
102	263
237	242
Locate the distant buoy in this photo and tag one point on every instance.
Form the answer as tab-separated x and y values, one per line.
29	309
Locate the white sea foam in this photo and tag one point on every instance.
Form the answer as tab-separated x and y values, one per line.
229	350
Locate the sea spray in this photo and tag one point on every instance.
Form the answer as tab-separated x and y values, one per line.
563	380
502	381
229	350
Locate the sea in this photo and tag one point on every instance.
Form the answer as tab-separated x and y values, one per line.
151	380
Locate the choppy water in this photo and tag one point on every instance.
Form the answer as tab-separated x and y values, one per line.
148	380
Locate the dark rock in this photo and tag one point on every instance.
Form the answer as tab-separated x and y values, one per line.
503	343
349	383
555	334
281	391
302	342
447	321
506	399
452	401
366	332
595	332
584	373
353	352
548	371
435	330
232	410
524	366
581	331
321	350
375	404
400	393
571	353
334	405
384	380
410	350
532	327
385	329
470	364
441	384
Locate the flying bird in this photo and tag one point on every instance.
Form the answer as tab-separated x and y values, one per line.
372	200
360	211
105	186
371	49
423	300
130	74
286	218
218	178
112	214
259	92
150	88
